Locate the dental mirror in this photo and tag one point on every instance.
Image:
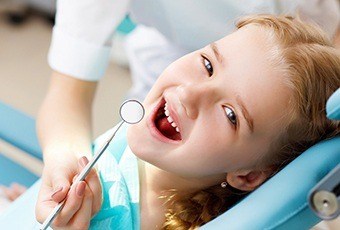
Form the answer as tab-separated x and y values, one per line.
131	112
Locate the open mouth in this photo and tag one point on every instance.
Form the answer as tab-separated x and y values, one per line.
165	123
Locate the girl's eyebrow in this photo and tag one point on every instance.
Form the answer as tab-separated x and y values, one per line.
246	115
218	55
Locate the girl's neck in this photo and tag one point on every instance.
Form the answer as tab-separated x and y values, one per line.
158	180
155	183
151	207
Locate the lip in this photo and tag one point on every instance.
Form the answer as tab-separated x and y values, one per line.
152	127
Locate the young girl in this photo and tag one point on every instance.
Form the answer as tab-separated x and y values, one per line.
219	122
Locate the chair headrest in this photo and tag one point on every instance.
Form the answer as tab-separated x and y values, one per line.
282	202
333	106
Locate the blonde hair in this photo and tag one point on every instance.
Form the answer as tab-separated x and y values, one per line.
311	68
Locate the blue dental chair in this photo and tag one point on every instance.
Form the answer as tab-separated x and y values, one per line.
281	203
17	129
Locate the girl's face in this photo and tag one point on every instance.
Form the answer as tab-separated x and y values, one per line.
228	104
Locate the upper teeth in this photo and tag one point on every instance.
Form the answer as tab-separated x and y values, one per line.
169	118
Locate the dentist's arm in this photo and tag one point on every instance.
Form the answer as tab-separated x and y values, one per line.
64	130
66	115
80	47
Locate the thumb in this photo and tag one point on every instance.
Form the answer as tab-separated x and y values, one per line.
61	186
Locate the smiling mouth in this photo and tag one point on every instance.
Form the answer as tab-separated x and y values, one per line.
165	124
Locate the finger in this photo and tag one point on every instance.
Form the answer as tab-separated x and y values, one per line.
61	186
14	193
20	188
45	204
92	179
74	178
9	193
81	220
94	183
55	184
17	190
82	162
3	190
72	204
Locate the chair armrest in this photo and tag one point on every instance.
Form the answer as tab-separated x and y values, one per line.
18	129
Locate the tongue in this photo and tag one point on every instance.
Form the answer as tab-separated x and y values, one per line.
166	129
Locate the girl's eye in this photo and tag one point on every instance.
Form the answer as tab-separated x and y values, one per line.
208	66
231	115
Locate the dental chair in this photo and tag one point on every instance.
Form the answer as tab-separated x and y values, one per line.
281	203
18	130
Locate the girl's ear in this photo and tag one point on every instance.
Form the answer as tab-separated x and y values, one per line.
248	180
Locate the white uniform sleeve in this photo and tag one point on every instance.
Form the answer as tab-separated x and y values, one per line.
81	38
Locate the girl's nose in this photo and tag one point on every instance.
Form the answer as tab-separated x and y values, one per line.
195	97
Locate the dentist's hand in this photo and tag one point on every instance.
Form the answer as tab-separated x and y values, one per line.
83	200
